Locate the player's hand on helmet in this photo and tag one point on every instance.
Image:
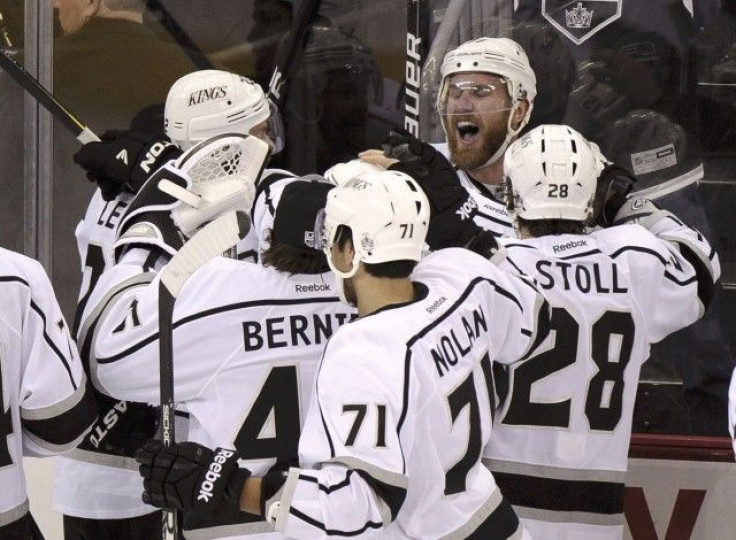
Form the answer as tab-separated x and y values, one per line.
614	186
451	221
123	160
190	477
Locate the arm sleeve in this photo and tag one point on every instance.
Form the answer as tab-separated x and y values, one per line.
521	316
695	249
667	285
360	482
56	406
120	338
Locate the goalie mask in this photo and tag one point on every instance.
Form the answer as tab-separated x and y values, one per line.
552	173
502	57
387	213
210	102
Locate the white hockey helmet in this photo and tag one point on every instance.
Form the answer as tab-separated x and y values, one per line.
387	213
498	56
552	173
210	102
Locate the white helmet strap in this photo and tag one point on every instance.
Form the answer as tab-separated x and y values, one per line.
511	133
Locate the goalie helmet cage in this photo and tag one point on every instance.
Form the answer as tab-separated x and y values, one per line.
434	27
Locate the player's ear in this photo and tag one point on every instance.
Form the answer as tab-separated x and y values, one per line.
519	113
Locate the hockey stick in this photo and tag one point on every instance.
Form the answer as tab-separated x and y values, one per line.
159	12
434	57
212	240
287	52
46	98
416	52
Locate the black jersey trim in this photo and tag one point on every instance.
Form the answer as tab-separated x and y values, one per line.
333	532
502	524
67	427
561	495
215	311
581	254
332	488
53	346
493	219
639	249
46	337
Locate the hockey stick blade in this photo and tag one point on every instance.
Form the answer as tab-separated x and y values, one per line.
46	99
212	240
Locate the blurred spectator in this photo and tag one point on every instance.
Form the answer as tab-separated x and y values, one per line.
329	97
554	67
668	166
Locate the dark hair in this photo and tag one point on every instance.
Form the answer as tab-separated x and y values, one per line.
294	260
391	269
547	227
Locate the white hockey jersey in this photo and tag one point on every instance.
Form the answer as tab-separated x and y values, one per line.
45	405
402	410
561	437
90	482
492	214
247	340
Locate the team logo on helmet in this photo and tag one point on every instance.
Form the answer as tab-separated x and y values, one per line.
581	21
207	94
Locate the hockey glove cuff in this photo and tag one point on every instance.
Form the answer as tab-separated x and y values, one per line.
640	211
452	208
123	160
190	477
614	185
148	222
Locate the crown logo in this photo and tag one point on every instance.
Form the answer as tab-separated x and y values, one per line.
579	17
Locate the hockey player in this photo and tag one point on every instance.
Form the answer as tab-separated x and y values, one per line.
46	406
485	99
403	397
561	435
98	480
247	337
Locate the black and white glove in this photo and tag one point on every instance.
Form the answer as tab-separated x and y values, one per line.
190	477
614	186
123	160
147	222
452	208
640	211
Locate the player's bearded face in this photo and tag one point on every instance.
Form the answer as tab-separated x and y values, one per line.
476	114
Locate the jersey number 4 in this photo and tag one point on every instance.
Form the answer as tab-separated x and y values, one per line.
604	399
280	395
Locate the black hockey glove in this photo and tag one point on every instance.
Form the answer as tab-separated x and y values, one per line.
452	208
147	222
122	427
123	160
614	185
190	477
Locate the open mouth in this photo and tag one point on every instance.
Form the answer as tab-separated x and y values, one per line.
467	131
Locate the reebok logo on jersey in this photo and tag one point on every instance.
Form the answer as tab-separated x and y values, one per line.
213	474
123	156
466	210
314	287
572	244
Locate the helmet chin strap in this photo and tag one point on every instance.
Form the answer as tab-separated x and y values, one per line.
341	276
510	134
